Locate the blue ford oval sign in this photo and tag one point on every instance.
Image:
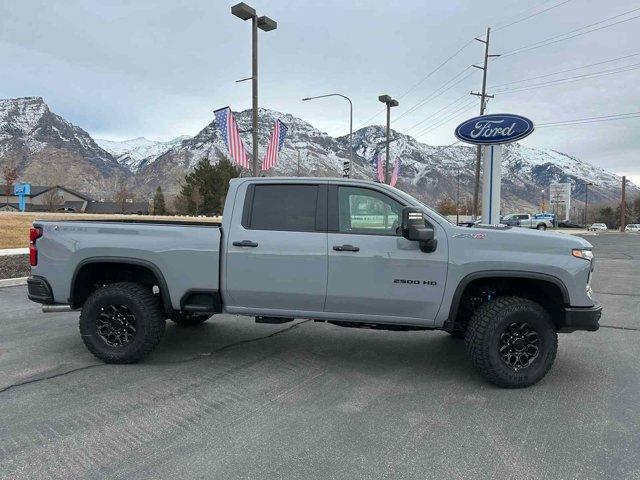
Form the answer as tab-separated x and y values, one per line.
494	128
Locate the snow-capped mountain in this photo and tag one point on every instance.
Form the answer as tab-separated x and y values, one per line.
139	151
48	150
428	172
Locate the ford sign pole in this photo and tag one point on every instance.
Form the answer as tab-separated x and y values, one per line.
492	132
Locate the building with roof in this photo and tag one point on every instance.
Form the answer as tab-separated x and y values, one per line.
63	199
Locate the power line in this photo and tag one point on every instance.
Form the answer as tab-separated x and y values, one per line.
565	71
445	118
463	109
602	118
573	33
446	107
500	27
437	92
575	78
440	65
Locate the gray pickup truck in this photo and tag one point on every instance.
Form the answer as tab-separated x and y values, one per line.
352	253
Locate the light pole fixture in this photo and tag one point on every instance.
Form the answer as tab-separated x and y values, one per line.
346	168
245	12
542	201
390	102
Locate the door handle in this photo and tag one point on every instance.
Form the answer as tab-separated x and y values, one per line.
245	243
346	248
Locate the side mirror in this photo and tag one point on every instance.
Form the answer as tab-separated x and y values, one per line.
415	229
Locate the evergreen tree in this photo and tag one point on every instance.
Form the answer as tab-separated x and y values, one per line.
159	205
205	189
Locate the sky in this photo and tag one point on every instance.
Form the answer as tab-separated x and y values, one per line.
158	68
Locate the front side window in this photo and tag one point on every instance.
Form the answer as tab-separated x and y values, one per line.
367	211
284	207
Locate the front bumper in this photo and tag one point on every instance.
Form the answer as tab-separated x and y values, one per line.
581	318
38	290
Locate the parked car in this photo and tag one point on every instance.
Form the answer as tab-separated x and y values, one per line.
632	227
349	252
598	227
568	224
527	221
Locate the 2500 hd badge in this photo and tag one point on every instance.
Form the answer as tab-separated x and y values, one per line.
415	282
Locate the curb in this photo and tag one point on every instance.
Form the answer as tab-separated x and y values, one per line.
13	282
8	252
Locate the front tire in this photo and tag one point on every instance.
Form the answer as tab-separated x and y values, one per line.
512	341
541	226
122	322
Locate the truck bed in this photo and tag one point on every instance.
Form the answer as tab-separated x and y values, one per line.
184	255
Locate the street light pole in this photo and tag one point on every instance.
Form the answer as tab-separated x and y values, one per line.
254	94
346	171
390	102
245	12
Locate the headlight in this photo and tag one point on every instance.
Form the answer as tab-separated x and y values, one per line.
584	253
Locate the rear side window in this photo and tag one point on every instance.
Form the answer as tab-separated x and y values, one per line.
284	207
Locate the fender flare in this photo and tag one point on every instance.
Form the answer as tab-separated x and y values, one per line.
455	300
162	283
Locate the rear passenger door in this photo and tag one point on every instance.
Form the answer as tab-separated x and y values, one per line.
277	254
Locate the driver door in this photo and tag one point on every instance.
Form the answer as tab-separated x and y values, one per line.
374	272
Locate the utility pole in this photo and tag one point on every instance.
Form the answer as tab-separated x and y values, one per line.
623	204
483	104
298	161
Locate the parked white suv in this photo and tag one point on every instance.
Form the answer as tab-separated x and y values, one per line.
632	227
595	227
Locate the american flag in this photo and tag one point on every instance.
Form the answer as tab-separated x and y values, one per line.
229	129
396	172
275	144
380	167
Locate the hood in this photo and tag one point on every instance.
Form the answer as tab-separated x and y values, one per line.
527	239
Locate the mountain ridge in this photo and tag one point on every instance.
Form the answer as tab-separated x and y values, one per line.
27	126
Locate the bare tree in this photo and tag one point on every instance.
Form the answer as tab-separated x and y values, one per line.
122	194
10	175
52	199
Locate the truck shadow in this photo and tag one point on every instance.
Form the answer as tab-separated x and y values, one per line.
318	345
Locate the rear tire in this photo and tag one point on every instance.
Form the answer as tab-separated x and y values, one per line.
189	319
122	322
541	226
512	341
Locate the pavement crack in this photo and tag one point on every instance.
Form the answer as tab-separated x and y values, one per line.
217	350
49	377
617	293
235	344
620	328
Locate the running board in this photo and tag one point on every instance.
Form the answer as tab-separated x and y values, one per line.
274	320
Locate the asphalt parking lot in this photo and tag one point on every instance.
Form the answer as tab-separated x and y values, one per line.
234	399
